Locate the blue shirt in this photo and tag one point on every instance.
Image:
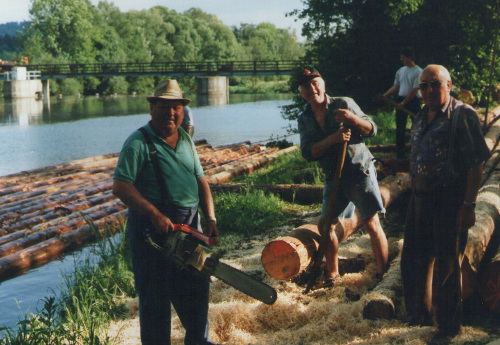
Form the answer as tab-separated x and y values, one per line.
358	156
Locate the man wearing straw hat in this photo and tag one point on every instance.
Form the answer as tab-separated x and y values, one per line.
155	206
325	125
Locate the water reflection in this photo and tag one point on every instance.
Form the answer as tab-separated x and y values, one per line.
22	111
29	111
205	100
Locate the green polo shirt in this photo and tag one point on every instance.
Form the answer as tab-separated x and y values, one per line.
180	166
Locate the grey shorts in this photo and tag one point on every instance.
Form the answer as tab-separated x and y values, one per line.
357	190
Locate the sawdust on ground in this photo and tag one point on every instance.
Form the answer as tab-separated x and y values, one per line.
324	316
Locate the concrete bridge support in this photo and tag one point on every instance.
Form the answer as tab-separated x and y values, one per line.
21	88
213	90
21	84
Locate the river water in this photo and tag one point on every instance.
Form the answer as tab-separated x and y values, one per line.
34	134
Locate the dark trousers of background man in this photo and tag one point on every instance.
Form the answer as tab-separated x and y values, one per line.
401	119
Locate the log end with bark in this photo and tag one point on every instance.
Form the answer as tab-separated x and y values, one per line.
287	256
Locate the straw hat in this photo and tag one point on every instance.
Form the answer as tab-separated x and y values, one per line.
169	89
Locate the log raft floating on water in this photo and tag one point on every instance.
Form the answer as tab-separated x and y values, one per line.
46	212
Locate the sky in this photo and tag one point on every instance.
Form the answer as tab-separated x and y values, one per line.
230	12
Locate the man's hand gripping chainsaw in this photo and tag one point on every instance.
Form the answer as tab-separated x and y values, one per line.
189	248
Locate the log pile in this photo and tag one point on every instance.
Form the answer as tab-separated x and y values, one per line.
47	212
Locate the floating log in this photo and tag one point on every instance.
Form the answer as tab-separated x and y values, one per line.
380	303
247	166
287	256
44	252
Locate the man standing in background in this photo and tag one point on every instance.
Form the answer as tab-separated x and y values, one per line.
188	121
406	85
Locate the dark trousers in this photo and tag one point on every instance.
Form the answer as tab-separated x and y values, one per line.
159	283
430	261
401	120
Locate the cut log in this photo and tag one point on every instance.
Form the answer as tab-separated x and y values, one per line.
487	214
489	273
386	148
381	302
287	256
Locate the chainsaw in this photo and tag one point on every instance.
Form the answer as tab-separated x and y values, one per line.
188	248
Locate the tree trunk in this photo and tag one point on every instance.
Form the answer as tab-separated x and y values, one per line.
287	256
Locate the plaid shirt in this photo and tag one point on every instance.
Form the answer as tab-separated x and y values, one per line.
358	156
430	147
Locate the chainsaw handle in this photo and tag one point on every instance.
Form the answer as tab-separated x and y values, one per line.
207	240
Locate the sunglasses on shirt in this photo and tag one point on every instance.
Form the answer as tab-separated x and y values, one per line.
435	84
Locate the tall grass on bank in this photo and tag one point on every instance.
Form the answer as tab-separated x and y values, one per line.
290	168
89	298
252	212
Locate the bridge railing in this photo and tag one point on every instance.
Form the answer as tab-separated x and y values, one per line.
174	68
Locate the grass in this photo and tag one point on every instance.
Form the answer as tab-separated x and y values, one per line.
90	297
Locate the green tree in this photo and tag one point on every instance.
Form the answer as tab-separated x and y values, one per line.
64	29
356	43
266	42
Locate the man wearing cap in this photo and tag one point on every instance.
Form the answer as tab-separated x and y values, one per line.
325	124
159	282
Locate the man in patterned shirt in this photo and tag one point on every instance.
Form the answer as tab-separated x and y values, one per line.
326	123
446	164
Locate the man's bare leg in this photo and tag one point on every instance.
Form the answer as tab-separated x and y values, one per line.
378	240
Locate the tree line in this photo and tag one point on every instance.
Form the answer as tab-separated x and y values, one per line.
75	31
356	43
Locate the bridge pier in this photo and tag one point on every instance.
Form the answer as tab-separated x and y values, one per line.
19	84
213	90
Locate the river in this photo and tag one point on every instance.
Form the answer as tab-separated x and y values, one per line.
35	135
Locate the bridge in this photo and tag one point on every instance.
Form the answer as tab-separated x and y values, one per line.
170	68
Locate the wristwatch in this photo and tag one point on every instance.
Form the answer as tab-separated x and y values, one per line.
213	219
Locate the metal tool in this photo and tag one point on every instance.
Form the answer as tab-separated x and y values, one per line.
188	248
